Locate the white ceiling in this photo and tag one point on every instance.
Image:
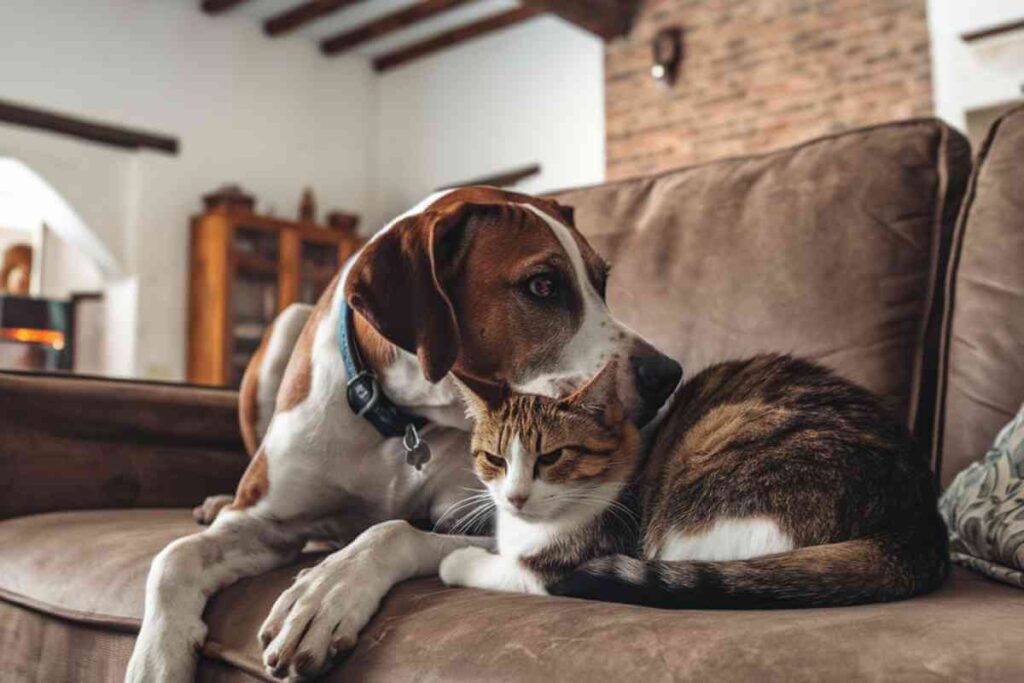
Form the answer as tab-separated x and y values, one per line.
364	11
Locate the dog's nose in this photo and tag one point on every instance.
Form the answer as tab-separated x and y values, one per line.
656	376
518	500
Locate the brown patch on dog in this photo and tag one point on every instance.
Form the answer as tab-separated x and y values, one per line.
254	484
377	352
393	286
248	394
298	375
596	267
449	286
500	337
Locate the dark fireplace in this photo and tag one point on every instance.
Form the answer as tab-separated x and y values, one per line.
35	334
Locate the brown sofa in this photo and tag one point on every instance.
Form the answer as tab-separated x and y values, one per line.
876	252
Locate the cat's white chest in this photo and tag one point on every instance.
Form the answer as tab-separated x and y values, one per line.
518	538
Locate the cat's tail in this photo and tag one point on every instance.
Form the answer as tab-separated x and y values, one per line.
879	568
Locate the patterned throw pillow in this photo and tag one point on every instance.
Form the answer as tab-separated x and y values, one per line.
984	509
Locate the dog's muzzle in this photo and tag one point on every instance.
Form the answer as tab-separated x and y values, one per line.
656	377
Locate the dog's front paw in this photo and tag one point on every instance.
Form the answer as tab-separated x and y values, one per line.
319	617
207	512
461	567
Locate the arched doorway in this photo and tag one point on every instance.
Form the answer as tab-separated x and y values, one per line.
53	273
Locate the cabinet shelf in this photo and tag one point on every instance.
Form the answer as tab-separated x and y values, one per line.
255	263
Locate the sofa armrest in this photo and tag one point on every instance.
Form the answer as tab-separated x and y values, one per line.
69	443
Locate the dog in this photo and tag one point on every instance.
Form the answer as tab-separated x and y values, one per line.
477	285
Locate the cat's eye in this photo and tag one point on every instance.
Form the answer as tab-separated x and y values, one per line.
549	458
495	460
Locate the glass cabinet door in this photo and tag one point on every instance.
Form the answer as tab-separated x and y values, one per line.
255	254
318	263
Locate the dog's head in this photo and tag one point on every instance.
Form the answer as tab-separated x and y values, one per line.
501	289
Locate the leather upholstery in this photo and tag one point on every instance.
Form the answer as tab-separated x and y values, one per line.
829	250
78	443
983	355
427	632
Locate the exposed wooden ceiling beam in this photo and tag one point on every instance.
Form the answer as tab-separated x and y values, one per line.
605	18
85	129
293	18
218	6
389	23
457	35
502	179
990	31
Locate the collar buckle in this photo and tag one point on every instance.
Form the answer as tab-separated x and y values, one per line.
363	392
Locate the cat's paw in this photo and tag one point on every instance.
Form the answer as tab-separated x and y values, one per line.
460	567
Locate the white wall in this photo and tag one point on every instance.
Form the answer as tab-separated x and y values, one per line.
973	76
65	269
532	93
272	116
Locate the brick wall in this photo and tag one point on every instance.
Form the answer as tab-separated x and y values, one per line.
762	74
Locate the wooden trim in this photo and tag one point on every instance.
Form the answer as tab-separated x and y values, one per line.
998	29
219	6
209	294
503	179
453	37
299	15
84	129
290	256
421	11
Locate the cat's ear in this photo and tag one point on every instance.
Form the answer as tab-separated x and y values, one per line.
600	395
480	396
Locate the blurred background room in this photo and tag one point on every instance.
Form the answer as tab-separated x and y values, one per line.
174	172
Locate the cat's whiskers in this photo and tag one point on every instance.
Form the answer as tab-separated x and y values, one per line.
475	515
462	505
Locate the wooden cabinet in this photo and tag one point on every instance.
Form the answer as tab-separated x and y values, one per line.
245	269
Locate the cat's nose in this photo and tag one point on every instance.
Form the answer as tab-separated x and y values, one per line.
518	500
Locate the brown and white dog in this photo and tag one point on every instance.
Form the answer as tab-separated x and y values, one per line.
494	288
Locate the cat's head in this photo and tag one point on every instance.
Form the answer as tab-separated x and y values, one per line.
544	458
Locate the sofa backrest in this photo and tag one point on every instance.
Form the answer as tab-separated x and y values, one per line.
832	250
982	361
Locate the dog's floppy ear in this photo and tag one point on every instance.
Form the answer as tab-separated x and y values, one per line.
394	284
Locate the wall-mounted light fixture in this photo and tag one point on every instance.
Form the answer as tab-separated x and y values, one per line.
667	53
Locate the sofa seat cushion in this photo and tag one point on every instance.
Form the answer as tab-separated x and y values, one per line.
88	569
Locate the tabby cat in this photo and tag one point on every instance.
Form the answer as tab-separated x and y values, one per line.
772	483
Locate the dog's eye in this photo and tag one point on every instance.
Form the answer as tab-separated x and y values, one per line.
495	460
549	458
542	286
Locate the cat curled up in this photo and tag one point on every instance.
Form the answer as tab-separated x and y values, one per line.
772	483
